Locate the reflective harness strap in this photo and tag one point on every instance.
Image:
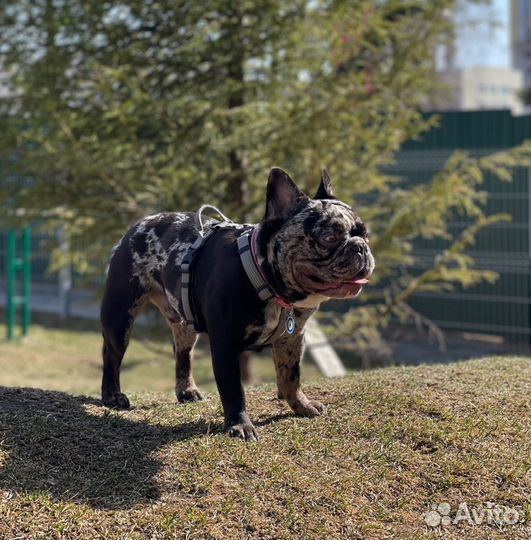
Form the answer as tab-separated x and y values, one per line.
253	273
286	323
186	281
189	311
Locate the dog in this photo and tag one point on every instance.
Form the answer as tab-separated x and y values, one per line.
308	250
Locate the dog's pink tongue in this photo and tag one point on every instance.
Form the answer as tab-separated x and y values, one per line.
361	281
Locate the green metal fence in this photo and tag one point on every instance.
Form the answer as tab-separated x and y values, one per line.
43	243
18	261
502	308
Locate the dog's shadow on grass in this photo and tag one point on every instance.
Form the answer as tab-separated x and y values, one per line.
54	444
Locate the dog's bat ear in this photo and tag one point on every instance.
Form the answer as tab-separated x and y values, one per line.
325	187
283	195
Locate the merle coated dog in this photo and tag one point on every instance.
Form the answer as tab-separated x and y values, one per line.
308	251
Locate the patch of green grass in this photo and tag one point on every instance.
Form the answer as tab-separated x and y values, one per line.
394	442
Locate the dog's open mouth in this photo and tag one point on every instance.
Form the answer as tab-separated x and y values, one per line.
346	289
349	289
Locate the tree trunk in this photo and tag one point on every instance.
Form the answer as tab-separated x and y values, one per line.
237	180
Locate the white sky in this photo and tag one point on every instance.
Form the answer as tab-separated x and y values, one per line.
484	36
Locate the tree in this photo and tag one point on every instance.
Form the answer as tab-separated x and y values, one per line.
166	104
117	111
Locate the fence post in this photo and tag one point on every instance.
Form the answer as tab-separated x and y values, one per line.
65	275
26	280
11	282
14	264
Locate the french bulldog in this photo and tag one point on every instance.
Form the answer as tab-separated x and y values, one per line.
308	250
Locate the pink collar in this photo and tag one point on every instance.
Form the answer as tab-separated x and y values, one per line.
277	298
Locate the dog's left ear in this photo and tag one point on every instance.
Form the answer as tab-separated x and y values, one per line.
325	187
283	195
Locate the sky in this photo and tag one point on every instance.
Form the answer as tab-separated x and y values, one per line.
484	36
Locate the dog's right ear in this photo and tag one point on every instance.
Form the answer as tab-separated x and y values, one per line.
325	187
283	195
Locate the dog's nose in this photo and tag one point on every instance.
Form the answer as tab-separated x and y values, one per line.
360	247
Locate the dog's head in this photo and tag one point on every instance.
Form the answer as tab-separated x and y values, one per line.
315	247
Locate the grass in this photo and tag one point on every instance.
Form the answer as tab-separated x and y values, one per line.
395	441
68	358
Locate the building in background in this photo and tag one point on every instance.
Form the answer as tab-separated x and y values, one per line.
475	67
521	37
480	88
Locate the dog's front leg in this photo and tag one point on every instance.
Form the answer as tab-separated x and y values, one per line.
226	363
287	354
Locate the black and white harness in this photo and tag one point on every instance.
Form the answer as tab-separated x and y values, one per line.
247	251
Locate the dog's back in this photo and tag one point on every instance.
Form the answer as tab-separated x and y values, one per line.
151	244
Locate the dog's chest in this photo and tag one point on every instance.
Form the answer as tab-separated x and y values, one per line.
265	325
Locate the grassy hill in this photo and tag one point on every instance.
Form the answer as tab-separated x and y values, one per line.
395	442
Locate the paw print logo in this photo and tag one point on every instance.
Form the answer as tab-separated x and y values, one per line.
438	515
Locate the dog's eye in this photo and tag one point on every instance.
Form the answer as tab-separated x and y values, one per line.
331	239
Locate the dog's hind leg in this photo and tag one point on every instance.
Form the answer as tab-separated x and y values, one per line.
184	340
123	298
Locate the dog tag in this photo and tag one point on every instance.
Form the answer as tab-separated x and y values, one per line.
290	323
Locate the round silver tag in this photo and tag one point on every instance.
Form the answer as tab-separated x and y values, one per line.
290	324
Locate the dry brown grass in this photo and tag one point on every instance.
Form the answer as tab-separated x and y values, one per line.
394	442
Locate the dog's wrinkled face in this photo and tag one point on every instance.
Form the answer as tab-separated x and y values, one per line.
316	246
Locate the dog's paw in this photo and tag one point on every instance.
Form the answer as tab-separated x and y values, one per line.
117	401
190	394
244	430
310	409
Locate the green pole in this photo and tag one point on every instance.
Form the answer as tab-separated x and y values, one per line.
11	282
26	279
